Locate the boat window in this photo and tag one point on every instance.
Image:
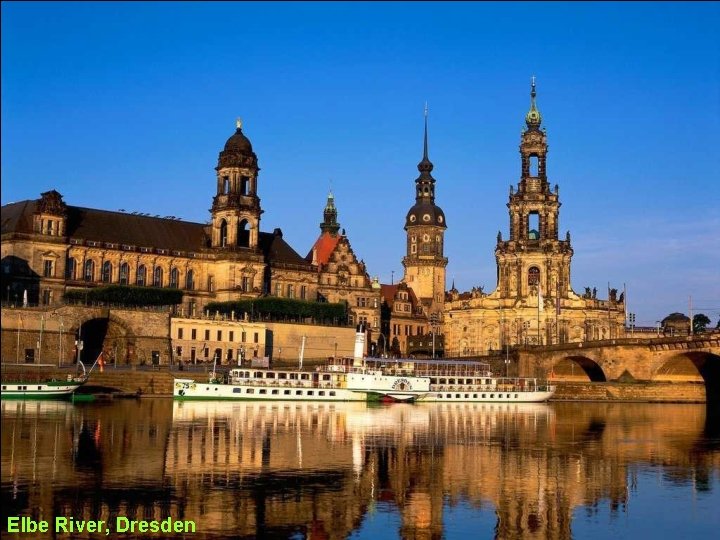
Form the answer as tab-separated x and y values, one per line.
492	396
262	391
286	392
326	377
258	375
298	392
457	396
270	375
467	396
448	395
321	393
451	381
39	387
293	376
442	381
275	392
304	376
310	393
250	391
332	392
474	396
237	390
516	396
282	375
4	387
439	396
483	396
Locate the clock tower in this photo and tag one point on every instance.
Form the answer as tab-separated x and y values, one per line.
425	225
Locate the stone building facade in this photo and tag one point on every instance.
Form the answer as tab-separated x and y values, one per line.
534	302
49	247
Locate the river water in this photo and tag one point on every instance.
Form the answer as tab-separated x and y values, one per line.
316	471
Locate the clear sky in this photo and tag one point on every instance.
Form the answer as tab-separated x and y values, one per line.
126	105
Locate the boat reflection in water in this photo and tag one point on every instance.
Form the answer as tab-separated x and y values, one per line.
339	470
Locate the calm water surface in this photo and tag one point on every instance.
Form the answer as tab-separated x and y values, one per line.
285	470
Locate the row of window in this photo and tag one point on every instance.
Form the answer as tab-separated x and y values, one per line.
219	334
276	392
475	396
366	302
290	290
143	277
398	329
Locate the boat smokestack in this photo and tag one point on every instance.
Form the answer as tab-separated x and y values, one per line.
359	352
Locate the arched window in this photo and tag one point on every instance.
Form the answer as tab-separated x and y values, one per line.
533	275
124	273
244	185
223	233
533	165
71	268
189	280
89	273
106	272
291	291
174	278
141	275
226	184
533	226
243	234
157	277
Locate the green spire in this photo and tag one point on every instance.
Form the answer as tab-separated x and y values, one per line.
533	118
330	223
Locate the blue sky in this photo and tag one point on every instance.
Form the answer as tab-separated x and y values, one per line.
126	105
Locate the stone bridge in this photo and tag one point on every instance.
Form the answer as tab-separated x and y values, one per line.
667	359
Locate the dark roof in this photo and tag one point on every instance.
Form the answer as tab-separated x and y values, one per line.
277	250
120	228
134	230
17	217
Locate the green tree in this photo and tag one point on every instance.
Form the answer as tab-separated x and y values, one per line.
700	322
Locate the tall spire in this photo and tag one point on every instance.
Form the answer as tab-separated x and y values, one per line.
425	166
425	150
533	118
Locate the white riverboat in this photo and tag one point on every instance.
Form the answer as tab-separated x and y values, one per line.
26	386
370	379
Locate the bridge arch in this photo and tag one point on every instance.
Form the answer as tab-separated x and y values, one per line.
578	368
693	366
107	334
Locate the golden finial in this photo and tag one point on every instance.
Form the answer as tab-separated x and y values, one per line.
238	122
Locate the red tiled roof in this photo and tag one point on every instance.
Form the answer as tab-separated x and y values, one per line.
323	248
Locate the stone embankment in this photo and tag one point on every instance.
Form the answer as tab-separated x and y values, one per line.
660	392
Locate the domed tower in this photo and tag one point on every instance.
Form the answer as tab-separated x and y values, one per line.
425	225
533	255
236	206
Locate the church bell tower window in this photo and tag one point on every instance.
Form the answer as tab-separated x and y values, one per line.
533	226
533	275
223	233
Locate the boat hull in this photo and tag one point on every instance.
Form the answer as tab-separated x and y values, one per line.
186	389
50	390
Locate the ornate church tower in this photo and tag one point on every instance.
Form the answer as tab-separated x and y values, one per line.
236	206
533	255
425	225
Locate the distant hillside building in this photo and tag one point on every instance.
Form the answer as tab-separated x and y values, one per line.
533	265
49	247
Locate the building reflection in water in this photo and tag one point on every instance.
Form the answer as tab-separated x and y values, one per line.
278	470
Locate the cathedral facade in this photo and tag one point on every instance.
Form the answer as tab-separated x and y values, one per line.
49	247
533	302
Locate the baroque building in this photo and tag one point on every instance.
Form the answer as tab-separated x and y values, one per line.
414	307
534	302
49	247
